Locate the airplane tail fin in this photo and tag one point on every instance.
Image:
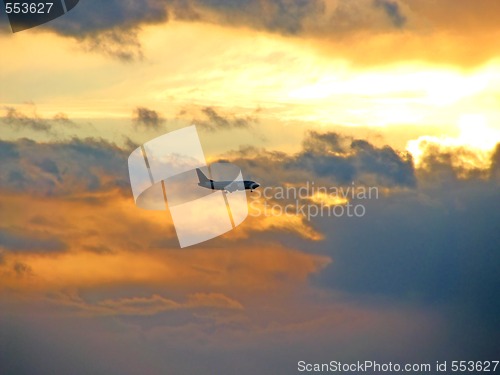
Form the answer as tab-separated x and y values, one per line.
201	176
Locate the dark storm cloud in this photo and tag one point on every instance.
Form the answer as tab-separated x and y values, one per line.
427	241
307	17
64	168
436	246
385	164
325	141
108	27
112	27
425	244
8	150
285	16
93	16
338	159
147	118
49	166
429	248
16	240
433	244
181	343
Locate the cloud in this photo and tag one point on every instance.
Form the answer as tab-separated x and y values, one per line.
8	150
50	167
284	16
16	240
337	159
66	168
292	17
450	158
431	246
110	28
63	119
113	28
388	30
327	161
147	118
19	121
426	240
146	306
98	249
222	342
94	16
22	269
120	44
213	120
419	264
391	8
495	164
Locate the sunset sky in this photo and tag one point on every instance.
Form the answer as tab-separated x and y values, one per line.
401	95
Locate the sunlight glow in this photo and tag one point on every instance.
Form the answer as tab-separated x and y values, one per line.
328	200
476	136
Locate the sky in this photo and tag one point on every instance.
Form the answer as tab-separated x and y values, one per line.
401	96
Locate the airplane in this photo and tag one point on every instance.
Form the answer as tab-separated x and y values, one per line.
228	186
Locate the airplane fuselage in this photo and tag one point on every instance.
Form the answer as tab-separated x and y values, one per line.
230	185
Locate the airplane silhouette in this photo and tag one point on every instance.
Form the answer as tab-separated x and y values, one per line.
229	186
